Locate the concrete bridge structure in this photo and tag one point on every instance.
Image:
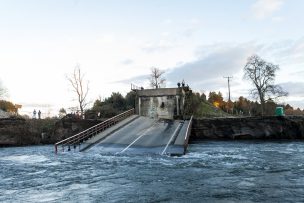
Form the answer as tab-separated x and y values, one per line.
151	127
138	134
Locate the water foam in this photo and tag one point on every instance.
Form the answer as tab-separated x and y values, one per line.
25	159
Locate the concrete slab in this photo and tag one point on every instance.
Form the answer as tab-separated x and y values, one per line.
89	143
143	135
180	140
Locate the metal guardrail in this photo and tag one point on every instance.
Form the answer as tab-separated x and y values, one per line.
187	135
135	87
92	131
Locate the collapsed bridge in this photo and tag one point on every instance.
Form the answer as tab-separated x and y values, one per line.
154	126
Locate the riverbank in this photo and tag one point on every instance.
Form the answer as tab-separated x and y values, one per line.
268	127
20	132
15	131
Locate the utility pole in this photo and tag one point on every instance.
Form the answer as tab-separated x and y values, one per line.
229	77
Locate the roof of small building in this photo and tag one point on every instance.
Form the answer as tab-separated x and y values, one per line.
160	92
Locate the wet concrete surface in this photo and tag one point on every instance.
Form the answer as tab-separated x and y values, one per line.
144	135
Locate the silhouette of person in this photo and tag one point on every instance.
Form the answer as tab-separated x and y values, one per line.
39	114
183	83
34	113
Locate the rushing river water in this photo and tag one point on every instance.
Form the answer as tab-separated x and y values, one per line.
212	171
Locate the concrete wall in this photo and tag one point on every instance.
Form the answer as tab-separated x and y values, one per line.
166	103
158	107
159	92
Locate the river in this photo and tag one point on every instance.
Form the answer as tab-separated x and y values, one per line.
212	171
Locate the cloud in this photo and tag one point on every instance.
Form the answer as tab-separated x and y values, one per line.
209	68
170	40
127	62
285	51
189	31
262	9
137	80
295	89
298	73
296	103
191	27
3	91
158	46
36	105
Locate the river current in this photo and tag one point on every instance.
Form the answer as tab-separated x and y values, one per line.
212	171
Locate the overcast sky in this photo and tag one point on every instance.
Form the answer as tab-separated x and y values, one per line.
117	42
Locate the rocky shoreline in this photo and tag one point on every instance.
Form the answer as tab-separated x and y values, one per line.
20	132
268	127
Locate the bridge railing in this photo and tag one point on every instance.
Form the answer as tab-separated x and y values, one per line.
92	131
187	135
135	87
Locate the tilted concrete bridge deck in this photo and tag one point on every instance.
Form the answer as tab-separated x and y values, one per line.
138	134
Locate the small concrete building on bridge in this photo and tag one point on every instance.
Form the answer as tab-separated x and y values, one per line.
163	103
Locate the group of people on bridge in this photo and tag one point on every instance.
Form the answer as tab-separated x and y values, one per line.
34	114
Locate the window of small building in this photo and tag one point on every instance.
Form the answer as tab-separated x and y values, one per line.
170	97
162	105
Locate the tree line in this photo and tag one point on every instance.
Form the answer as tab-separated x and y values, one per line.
195	102
111	106
247	107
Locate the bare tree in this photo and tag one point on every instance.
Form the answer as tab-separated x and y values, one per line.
80	87
262	75
156	79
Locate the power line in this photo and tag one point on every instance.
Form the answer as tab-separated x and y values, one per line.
229	77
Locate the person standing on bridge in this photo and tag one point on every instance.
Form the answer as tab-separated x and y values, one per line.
34	114
39	114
